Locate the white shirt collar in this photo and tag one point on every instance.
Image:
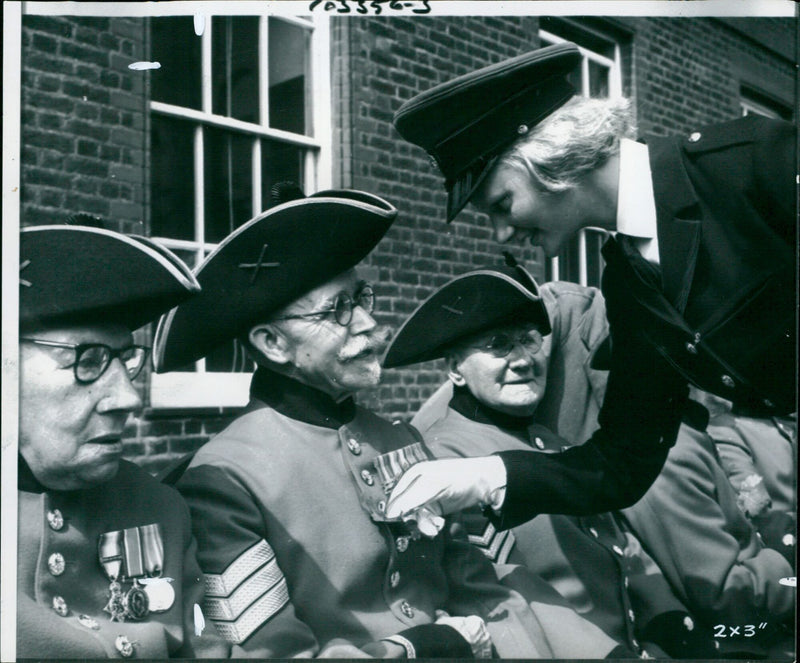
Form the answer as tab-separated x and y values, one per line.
636	205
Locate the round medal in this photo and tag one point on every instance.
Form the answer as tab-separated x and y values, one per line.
160	594
136	604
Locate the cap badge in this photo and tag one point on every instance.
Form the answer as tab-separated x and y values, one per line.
256	266
522	129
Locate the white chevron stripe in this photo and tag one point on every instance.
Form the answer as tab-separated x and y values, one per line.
257	614
261	582
249	561
494	544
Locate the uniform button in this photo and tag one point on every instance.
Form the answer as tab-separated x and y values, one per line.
538	442
688	623
56	564
402	543
627	582
366	477
617	550
593	532
354	446
382	506
690	348
123	646
631	616
727	380
406	609
55	519
60	606
635	643
522	129
695	136
88	622
394	579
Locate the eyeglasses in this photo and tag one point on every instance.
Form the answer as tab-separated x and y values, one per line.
343	307
93	359
501	345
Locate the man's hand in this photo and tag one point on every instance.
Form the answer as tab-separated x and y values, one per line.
472	629
449	485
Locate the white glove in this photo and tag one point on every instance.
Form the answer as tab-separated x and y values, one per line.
449	485
472	629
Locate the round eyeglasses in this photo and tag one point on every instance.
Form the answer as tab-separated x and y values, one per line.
342	309
500	345
93	359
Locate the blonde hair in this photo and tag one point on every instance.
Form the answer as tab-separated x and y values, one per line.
576	139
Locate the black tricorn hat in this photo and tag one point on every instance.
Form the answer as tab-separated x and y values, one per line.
267	263
78	274
466	123
470	304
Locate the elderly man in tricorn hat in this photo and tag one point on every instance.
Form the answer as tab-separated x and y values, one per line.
700	277
106	564
288	503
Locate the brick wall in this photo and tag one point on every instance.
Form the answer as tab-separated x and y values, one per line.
85	137
83	121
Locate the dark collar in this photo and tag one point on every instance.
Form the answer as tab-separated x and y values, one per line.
25	479
298	401
466	404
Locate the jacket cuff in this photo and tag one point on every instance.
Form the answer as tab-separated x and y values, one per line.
435	641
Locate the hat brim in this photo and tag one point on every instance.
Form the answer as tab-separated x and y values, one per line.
80	274
267	263
469	304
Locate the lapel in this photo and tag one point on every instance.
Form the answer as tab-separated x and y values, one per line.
679	219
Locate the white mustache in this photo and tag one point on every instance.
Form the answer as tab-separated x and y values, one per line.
375	341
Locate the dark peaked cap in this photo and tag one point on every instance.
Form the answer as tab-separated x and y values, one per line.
469	304
79	274
465	123
267	263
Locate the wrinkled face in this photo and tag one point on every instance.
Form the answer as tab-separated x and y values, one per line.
513	384
518	209
70	434
336	359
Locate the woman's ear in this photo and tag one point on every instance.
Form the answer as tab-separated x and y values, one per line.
453	362
268	341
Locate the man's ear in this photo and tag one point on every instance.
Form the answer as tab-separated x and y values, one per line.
453	373
270	342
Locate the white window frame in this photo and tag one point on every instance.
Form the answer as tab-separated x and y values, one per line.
750	107
217	390
614	65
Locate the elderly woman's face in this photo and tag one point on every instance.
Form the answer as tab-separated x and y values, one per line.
514	383
519	210
70	434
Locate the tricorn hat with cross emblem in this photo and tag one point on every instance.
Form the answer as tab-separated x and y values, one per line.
464	124
267	263
76	274
471	303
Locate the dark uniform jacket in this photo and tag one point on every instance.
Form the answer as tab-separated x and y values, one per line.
590	560
63	589
719	312
287	506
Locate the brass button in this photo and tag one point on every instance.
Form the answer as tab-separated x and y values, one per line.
691	348
695	136
522	129
56	564
617	550
728	381
88	622
60	606
402	543
354	446
382	506
635	643
594	532
406	609
631	616
688	623
626	582
538	442
394	579
366	477
123	646
55	519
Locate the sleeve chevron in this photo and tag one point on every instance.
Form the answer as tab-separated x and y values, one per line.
247	594
495	545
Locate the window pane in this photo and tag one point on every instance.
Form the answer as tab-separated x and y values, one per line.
177	48
598	80
228	182
171	178
288	55
280	162
234	54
